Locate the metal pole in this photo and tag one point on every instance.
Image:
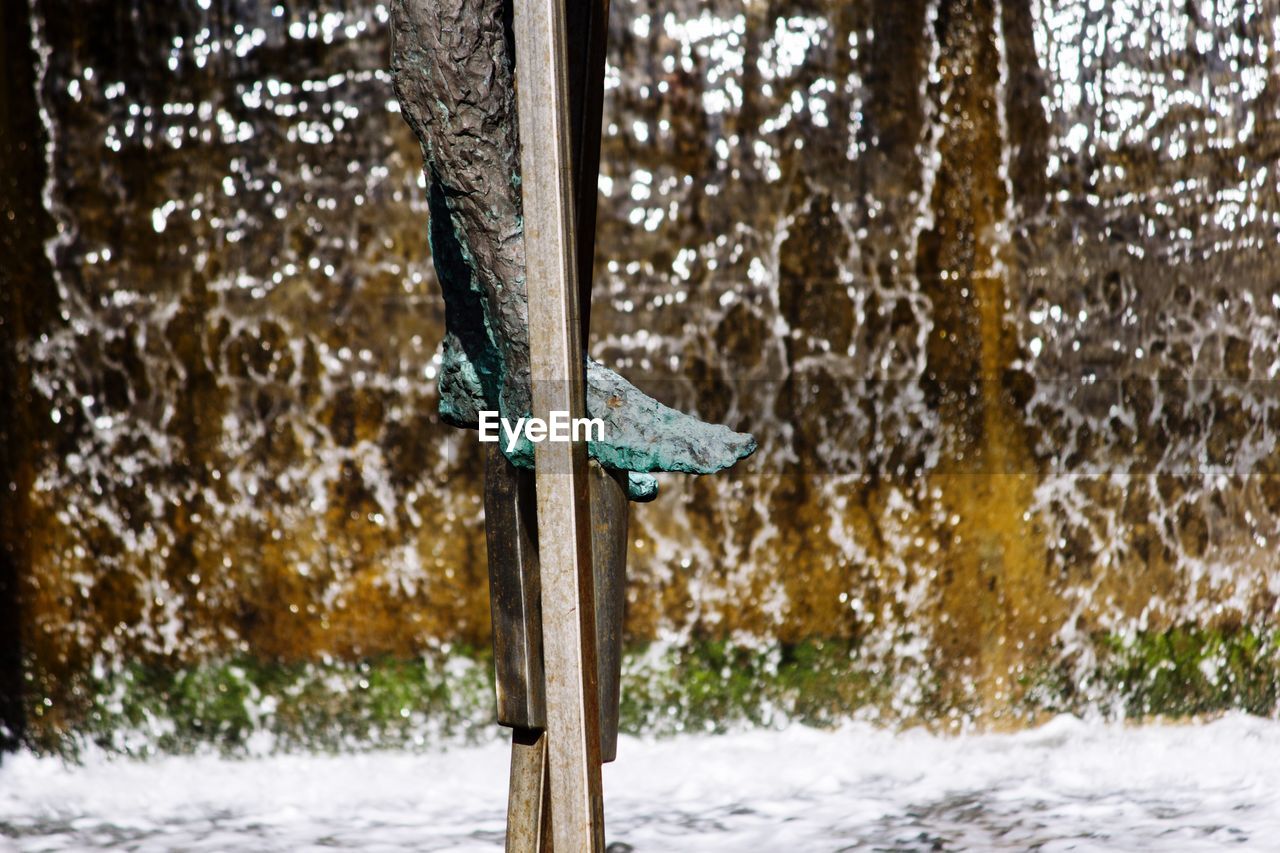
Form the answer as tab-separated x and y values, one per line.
555	350
527	830
587	22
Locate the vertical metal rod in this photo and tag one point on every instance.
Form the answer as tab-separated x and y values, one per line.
555	350
515	601
609	517
527	799
587	22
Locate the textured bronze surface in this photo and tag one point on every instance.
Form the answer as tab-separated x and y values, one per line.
454	78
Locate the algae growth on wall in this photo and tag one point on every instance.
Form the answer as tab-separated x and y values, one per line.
991	282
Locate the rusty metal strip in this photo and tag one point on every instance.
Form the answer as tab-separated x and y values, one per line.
588	26
514	594
609	517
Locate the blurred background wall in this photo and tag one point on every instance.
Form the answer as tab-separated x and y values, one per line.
993	281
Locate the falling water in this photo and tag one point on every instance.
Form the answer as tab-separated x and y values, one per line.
991	281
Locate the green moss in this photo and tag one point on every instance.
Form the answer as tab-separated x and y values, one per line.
1178	672
244	706
715	685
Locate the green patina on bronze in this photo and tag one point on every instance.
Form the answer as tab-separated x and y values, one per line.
452	62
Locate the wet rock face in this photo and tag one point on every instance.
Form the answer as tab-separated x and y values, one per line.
991	283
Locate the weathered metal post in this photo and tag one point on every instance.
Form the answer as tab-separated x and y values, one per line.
559	384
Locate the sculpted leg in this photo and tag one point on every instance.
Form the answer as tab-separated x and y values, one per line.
453	69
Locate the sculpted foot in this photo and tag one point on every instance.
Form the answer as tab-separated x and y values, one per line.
641	435
453	73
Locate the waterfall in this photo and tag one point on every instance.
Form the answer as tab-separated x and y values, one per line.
992	282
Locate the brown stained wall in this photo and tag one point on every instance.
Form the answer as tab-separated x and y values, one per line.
994	585
26	306
854	229
233	472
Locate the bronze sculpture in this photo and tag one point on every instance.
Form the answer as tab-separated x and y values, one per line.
453	63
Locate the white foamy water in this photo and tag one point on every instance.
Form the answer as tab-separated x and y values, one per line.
1065	786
